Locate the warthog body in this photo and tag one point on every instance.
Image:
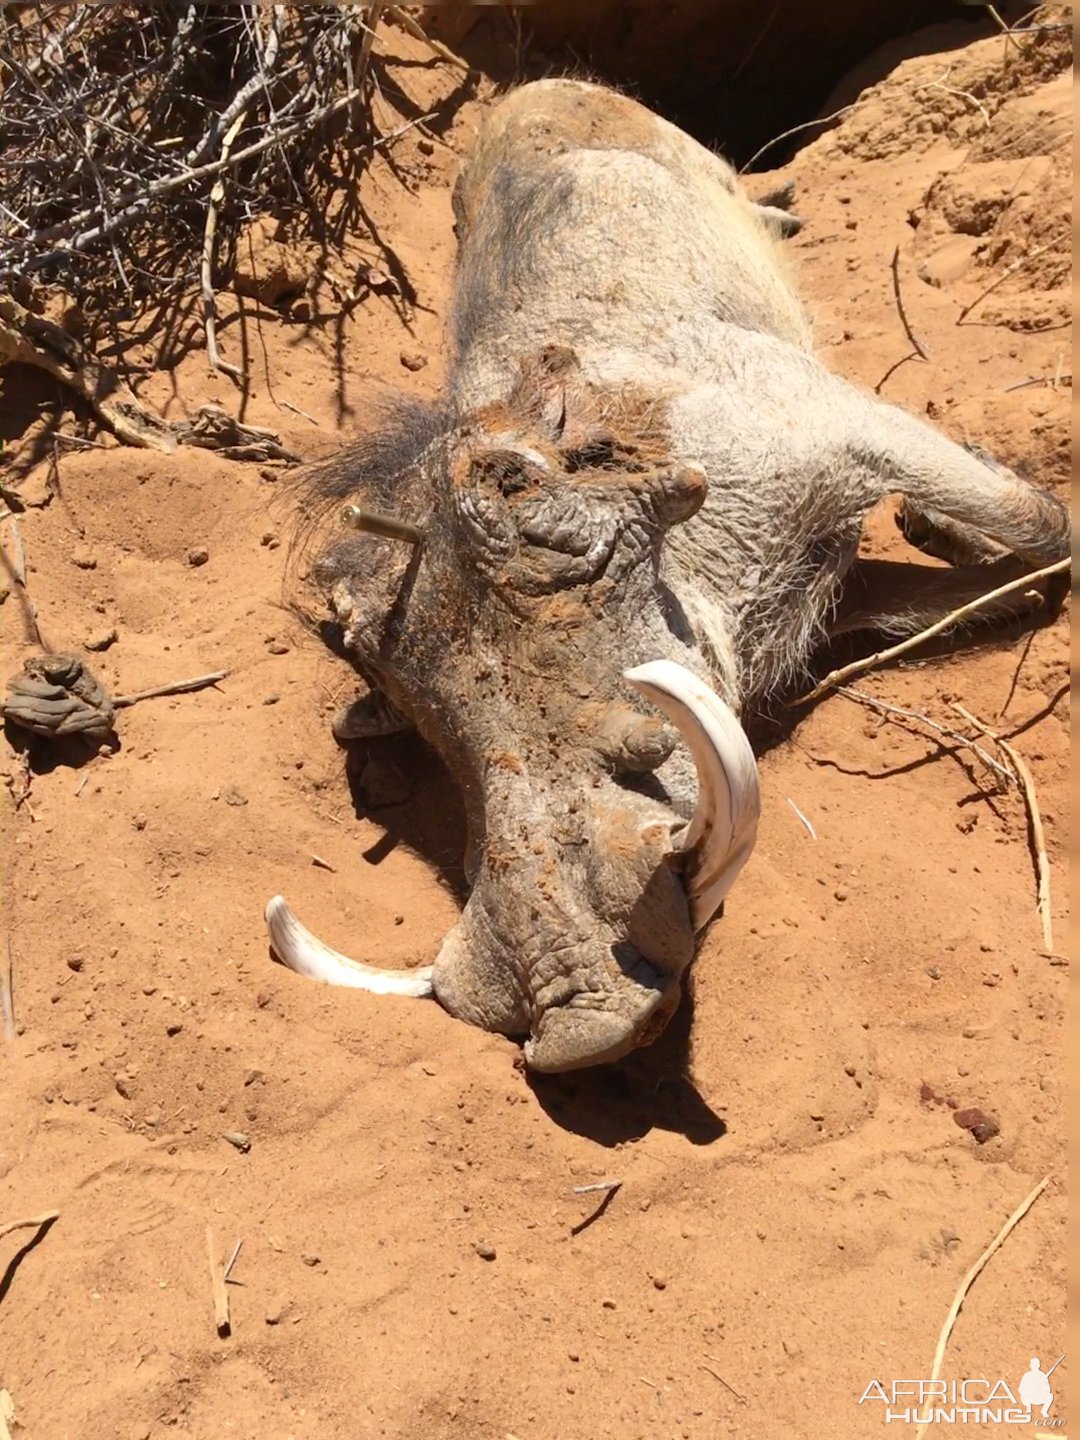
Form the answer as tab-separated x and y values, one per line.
638	458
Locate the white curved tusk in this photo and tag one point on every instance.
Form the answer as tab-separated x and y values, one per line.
297	948
721	835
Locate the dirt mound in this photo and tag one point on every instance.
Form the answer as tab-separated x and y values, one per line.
798	1202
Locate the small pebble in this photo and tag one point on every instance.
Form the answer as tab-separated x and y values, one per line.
425	146
608	1304
277	1312
968	1033
123	1086
310	1258
269	539
413	360
250	1076
485	1251
49	1096
659	1282
238	1139
198	556
232	796
841	892
102	639
75	962
85	560
174	1028
271	699
934	971
278	647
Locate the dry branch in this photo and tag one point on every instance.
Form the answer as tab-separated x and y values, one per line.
411	27
217	195
1038	835
1009	271
969	1280
219	1292
861	697
920	348
34	1224
881	657
26	339
177	687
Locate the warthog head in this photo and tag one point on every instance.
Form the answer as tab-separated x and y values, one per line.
529	637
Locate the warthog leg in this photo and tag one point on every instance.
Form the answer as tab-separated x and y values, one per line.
899	599
963	484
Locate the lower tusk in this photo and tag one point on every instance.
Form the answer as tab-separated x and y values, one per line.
297	948
720	837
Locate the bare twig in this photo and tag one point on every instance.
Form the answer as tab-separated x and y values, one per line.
1007	32
219	1293
135	201
795	130
233	1259
7	995
7	1414
592	1189
177	687
727	1386
217	195
881	657
920	348
410	26
288	405
939	84
36	1223
966	741
969	1280
18	569
1009	271
1035	825
809	828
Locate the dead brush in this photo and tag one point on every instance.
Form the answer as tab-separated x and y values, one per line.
138	143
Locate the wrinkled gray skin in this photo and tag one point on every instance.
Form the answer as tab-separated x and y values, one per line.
621	312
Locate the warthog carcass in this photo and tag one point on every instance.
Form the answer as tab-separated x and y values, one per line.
640	493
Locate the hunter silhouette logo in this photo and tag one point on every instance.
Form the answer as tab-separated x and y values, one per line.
974	1401
1034	1387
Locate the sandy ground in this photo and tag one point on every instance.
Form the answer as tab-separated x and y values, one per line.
798	1203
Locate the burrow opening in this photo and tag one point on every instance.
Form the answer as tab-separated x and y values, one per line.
733	73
